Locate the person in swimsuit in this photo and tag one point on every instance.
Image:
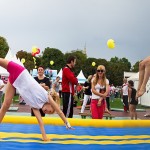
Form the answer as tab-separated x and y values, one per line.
132	100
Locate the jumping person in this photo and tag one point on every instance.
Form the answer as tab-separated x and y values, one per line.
144	74
32	93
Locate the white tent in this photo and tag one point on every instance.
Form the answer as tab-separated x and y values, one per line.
134	77
144	99
9	56
3	72
81	78
60	75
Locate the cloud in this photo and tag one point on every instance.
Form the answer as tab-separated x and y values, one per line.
68	25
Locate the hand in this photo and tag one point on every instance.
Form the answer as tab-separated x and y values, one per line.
42	84
99	102
45	139
68	126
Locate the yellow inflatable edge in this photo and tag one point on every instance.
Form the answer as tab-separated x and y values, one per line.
78	122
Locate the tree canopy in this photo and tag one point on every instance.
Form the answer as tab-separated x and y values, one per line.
3	47
114	68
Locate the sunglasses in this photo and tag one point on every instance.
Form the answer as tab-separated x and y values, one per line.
100	71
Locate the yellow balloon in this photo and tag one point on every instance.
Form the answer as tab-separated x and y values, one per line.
35	67
51	62
93	64
111	43
34	49
23	60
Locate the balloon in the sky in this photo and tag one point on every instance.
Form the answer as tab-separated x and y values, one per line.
35	50
111	43
93	64
38	51
51	62
33	54
23	60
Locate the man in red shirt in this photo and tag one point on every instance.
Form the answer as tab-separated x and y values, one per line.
68	82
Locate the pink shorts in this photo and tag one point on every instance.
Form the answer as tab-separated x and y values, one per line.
14	70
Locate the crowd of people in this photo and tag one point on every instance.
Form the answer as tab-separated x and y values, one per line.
96	91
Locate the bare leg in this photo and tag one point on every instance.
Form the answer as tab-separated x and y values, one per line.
9	94
135	113
131	111
3	63
144	73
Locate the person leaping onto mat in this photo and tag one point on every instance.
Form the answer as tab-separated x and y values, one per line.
144	74
32	93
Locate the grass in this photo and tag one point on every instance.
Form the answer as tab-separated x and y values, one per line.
15	98
118	104
115	104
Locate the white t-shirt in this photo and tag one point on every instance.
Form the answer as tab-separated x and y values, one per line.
30	90
125	89
97	88
1	83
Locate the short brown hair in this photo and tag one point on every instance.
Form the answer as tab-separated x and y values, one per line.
70	58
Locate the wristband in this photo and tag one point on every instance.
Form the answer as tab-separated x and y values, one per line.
68	125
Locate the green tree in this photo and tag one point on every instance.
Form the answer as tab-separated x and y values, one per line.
116	68
55	55
3	47
29	62
135	67
81	58
88	69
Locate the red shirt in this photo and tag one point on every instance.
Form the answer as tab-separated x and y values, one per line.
68	80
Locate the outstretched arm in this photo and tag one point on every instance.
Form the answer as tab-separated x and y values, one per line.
41	124
59	112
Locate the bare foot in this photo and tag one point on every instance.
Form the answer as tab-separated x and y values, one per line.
107	111
141	92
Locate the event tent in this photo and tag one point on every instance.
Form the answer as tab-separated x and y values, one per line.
9	56
81	78
60	75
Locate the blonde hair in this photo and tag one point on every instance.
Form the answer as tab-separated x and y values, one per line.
103	83
89	78
55	96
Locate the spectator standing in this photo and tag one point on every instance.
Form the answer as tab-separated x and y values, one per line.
79	90
124	94
56	84
1	90
87	92
108	98
112	93
44	82
99	82
132	100
60	90
68	82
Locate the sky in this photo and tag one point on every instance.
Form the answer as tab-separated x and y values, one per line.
73	24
